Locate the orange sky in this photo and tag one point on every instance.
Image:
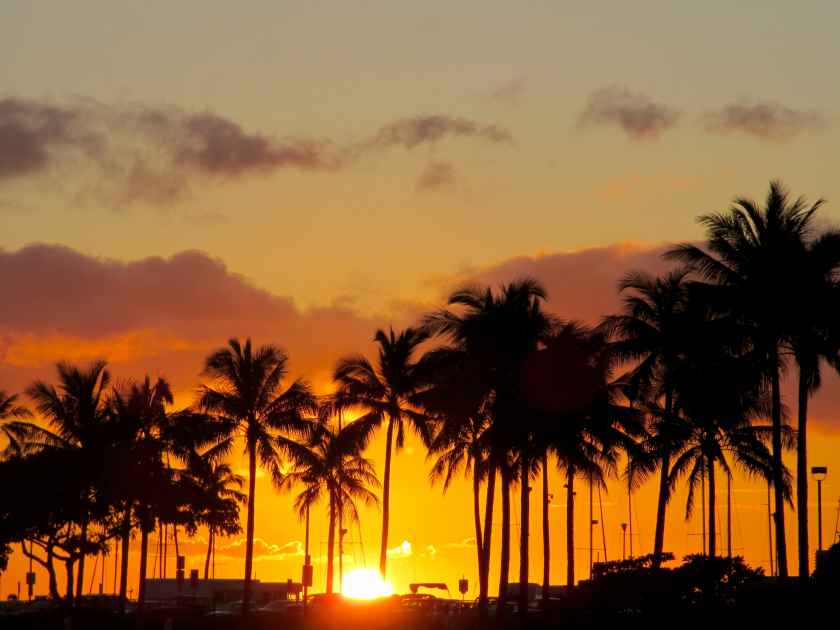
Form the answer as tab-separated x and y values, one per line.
175	174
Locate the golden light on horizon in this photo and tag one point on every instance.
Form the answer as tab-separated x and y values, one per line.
365	584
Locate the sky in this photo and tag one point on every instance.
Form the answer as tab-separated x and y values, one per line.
174	174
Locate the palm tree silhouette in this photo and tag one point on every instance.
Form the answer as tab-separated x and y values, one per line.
814	340
719	397
456	402
330	464
500	331
11	414
649	334
246	396
219	489
587	426
75	412
749	263
384	393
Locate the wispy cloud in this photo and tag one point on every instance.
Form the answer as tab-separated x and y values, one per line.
437	176
762	120
403	550
636	114
466	543
122	154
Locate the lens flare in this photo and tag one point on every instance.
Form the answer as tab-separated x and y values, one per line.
365	584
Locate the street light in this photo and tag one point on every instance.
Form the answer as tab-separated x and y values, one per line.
820	473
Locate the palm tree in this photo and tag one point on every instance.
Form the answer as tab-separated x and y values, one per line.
585	426
219	489
384	393
456	403
814	340
499	332
75	412
11	413
750	265
649	334
330	464
719	397
246	396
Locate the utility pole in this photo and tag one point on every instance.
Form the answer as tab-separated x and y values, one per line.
630	512
729	516
770	530
591	526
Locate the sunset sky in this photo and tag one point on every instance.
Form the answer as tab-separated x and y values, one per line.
174	174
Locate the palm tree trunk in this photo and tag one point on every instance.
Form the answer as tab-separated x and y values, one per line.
778	470
504	565
330	546
802	477
126	538
479	545
712	512
68	568
545	529
662	499
80	578
524	531
144	553
570	525
249	535
53	582
386	500
207	558
484	576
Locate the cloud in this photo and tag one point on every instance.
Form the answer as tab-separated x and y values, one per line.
510	92
429	552
403	550
410	133
155	315
636	114
437	176
125	154
764	121
263	550
466	543
142	153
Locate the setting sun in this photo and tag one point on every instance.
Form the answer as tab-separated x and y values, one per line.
366	584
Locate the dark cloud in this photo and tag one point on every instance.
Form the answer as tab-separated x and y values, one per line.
765	121
634	113
153	315
126	154
413	132
437	175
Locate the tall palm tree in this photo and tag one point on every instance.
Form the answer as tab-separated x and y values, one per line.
246	395
586	426
720	397
649	334
814	340
500	331
11	413
750	265
384	393
456	403
75	411
330	464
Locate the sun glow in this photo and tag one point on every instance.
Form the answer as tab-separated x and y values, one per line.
365	584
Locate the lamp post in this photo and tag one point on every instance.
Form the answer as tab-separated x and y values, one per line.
820	473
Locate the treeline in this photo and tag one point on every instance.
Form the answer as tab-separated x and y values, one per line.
683	385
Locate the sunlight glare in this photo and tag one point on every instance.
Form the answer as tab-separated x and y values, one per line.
365	584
